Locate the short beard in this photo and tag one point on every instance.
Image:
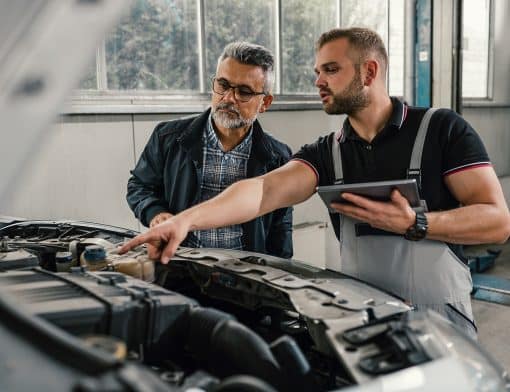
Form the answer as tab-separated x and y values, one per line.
349	101
226	121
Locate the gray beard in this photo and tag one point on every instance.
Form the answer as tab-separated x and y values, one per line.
226	121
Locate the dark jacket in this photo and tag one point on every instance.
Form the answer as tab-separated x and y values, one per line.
168	175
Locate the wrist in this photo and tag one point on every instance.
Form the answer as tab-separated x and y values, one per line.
418	230
185	220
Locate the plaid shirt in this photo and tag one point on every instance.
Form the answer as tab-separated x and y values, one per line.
220	170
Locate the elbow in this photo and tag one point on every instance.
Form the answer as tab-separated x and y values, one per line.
503	234
501	240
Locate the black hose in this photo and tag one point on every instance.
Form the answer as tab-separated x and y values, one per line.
228	347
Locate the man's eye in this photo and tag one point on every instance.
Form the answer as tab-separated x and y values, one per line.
331	70
245	92
224	85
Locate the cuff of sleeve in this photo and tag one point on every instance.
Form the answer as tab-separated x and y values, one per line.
151	212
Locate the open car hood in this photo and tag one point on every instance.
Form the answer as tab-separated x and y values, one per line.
211	315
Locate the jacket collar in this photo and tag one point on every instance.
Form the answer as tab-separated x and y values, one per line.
191	140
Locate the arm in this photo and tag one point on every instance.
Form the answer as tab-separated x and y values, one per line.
145	186
483	217
245	200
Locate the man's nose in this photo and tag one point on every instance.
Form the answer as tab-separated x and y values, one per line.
319	81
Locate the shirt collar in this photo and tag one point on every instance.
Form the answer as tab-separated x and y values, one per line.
398	115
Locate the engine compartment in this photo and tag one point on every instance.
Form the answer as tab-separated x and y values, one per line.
213	319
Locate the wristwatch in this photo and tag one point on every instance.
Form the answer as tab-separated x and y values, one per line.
418	231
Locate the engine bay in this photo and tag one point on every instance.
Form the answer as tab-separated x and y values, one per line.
211	319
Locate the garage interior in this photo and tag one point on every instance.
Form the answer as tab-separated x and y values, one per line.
68	156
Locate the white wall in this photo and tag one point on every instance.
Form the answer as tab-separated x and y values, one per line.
79	172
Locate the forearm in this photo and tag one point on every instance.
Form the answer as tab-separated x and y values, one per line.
245	200
473	224
239	203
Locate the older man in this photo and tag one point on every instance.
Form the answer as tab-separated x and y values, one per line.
190	160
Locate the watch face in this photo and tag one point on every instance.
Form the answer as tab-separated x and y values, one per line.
419	230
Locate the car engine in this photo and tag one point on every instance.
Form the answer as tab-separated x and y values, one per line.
83	317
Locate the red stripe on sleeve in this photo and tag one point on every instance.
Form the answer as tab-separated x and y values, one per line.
308	164
466	167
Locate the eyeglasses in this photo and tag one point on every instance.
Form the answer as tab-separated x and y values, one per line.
241	93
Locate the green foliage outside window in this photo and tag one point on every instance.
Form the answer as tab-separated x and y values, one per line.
155	48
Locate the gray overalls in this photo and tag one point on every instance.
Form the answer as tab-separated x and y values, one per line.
425	273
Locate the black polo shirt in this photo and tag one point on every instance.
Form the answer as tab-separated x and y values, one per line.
451	145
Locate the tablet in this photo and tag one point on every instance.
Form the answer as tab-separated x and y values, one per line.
379	190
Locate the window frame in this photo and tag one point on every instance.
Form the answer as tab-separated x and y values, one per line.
489	98
104	101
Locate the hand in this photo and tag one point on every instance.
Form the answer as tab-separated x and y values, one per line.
162	239
395	215
160	218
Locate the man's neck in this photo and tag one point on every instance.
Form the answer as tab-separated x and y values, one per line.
230	137
371	120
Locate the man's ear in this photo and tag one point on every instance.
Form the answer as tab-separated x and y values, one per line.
266	102
371	71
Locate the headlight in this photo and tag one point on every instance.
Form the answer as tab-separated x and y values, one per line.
441	338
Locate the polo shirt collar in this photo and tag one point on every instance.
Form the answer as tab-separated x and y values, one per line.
395	122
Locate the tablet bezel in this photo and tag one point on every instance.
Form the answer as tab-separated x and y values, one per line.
378	190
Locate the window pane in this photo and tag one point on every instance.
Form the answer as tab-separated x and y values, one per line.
243	20
475	66
396	48
303	21
89	81
155	48
372	14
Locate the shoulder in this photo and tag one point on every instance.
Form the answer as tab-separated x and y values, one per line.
447	118
277	146
322	145
174	128
441	119
459	143
270	144
319	156
450	128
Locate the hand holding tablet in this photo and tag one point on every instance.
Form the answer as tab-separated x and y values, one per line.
379	190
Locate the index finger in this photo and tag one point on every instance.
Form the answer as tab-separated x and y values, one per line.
134	242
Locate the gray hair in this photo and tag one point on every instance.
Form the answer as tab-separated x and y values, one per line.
251	54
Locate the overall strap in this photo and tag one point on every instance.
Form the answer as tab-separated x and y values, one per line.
337	160
414	170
